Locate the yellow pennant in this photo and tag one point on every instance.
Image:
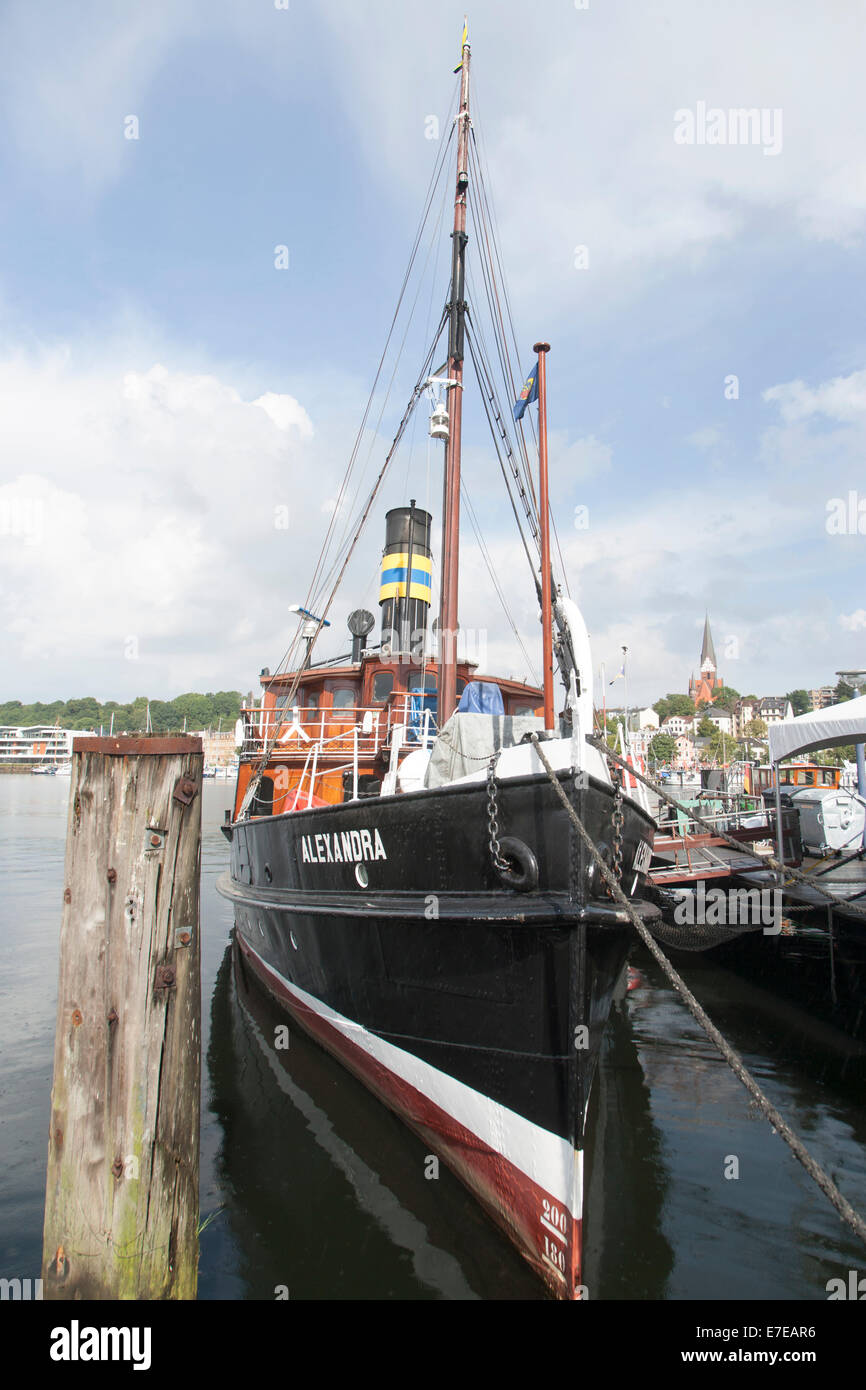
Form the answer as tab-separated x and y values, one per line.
463	42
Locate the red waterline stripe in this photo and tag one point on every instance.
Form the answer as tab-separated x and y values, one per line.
512	1198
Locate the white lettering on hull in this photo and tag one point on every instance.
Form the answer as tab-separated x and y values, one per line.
347	847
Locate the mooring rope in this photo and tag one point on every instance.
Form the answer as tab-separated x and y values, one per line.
734	1060
769	859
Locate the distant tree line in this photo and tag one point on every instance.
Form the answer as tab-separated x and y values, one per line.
166	716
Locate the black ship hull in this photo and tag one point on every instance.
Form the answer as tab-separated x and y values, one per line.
474	1010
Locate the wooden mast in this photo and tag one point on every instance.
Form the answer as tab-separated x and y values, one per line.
451	507
544	517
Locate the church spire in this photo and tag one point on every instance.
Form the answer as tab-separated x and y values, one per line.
708	651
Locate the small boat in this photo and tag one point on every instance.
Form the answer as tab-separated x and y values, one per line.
406	882
45	770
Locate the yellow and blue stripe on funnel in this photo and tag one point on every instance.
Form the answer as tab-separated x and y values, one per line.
395	573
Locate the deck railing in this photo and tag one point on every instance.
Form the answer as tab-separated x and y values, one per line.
338	740
337	730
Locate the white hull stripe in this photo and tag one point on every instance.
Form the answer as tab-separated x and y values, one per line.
546	1159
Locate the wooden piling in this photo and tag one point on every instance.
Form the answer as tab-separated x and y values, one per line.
121	1207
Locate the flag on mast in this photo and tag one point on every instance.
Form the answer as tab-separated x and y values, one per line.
620	675
527	395
463	41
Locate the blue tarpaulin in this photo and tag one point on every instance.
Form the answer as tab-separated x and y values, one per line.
481	697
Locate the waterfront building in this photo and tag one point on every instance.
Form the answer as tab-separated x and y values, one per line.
686	750
743	713
677	724
37	743
647	718
774	708
218	747
637	718
721	717
822	697
640	740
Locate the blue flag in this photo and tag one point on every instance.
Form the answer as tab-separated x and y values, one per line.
528	394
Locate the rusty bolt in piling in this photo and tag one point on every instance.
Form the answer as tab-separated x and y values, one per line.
112	875
77	1018
112	1017
117	1168
185	790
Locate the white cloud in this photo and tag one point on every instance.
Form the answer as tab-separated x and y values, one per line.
853	622
143	504
577	120
140	493
286	413
843	399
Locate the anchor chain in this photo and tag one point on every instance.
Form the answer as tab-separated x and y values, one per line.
499	861
618	820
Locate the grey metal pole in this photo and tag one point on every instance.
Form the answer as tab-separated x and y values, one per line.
779	844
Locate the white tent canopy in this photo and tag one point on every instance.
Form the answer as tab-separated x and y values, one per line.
823	728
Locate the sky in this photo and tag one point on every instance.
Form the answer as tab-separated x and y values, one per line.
179	397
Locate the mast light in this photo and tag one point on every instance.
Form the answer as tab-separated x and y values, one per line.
439	422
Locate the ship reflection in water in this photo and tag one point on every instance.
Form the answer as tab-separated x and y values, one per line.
326	1191
325	1194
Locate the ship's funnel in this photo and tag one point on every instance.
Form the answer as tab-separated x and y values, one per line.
406	581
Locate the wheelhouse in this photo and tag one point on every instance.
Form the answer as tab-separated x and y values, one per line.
347	726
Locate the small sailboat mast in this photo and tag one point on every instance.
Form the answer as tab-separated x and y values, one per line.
451	498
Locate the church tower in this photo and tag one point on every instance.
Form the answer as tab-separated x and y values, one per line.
708	680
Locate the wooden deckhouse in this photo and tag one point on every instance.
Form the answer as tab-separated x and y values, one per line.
338	730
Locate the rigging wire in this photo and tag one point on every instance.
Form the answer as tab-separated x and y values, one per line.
343	530
437	171
491	570
488	215
437	241
434	241
489	403
481	215
270	739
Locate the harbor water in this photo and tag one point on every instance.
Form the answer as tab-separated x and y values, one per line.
311	1189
